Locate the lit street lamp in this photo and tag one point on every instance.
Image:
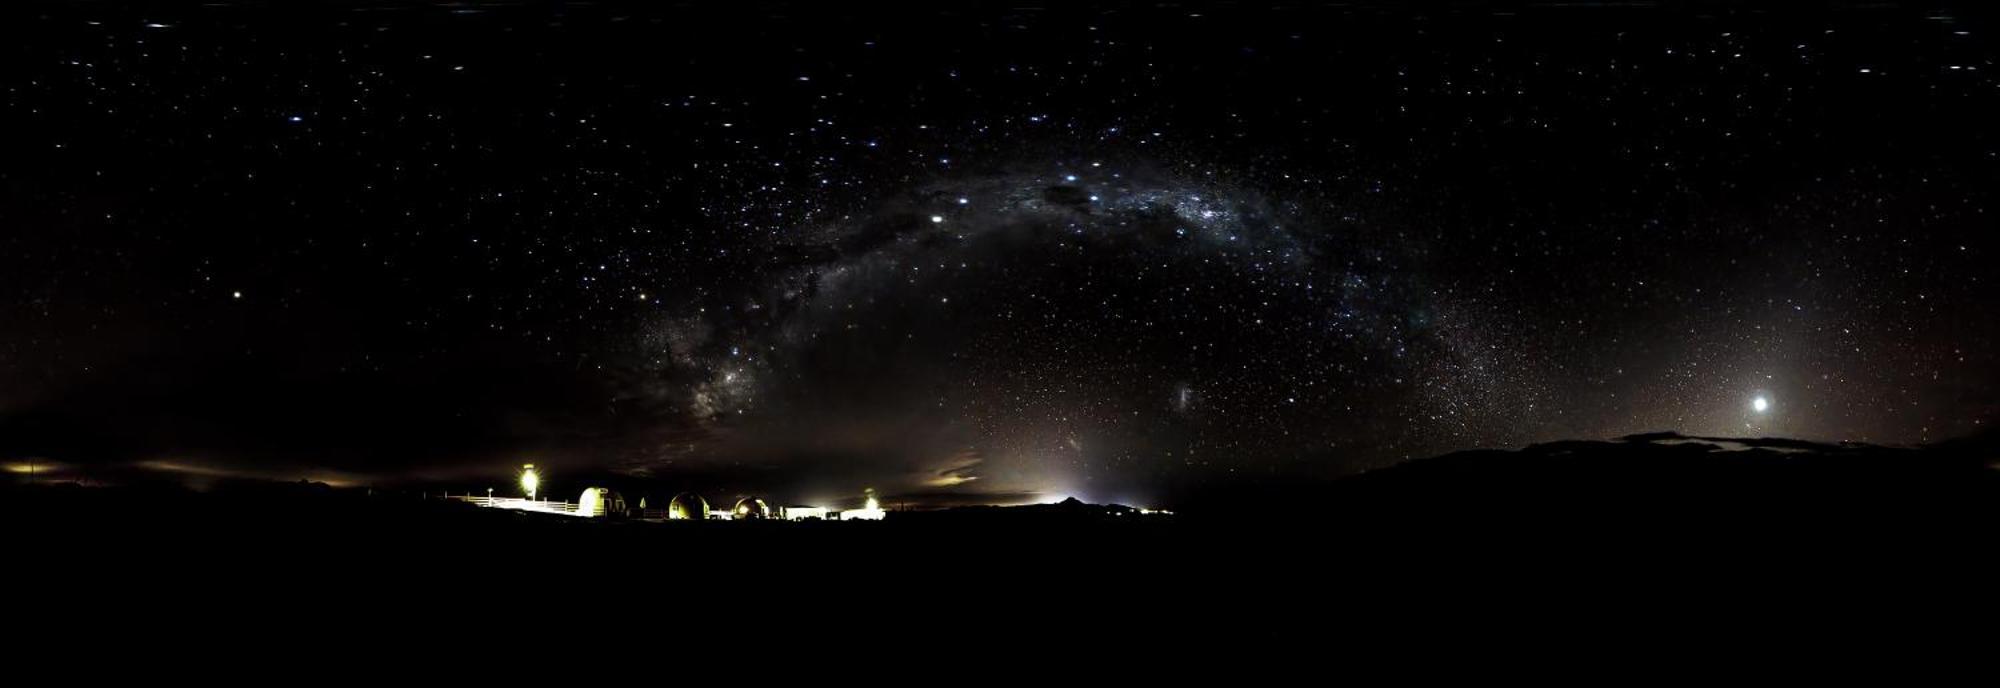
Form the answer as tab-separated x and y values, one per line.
530	481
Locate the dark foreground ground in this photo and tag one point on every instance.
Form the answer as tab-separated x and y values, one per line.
1648	544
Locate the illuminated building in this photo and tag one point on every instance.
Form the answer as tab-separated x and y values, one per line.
750	508
871	512
802	513
687	506
598	501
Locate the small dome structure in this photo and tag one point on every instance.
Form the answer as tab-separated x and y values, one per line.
598	501
750	508
687	506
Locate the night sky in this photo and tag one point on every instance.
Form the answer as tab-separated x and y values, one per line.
983	255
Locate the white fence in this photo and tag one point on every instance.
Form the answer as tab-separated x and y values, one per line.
536	505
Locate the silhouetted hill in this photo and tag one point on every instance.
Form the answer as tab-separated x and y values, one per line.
1070	511
1634	530
1656	479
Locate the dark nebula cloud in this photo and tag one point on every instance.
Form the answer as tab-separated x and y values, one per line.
992	255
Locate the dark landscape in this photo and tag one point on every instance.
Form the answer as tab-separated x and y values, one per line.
1645	539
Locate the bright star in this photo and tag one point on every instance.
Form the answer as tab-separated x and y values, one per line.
1760	404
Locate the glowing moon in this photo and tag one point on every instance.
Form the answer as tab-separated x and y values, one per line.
1760	404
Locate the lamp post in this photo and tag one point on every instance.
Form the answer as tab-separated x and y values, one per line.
530	481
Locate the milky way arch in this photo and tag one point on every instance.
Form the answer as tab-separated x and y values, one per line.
925	338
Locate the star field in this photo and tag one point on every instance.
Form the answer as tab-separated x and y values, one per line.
983	255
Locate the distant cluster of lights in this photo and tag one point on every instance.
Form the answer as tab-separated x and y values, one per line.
530	481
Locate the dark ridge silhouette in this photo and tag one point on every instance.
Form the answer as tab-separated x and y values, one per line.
1659	479
1631	533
